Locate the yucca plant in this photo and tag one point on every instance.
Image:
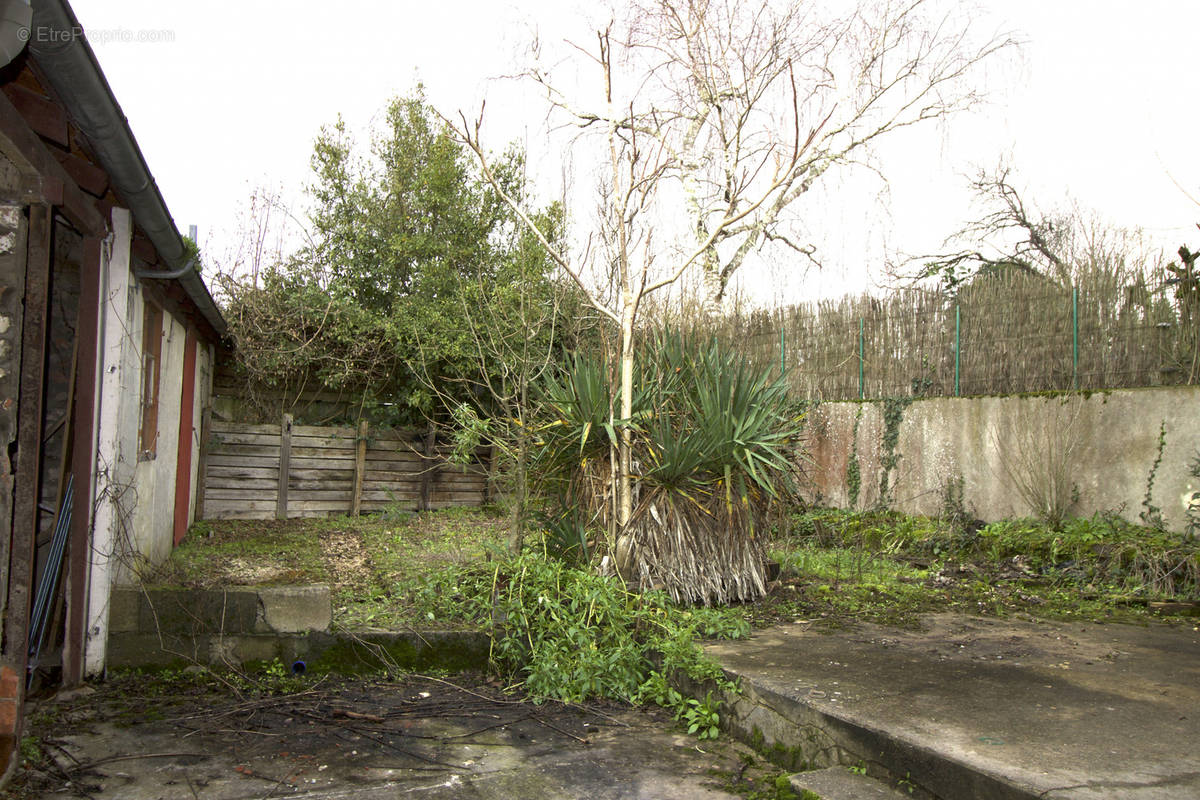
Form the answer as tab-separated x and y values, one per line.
714	445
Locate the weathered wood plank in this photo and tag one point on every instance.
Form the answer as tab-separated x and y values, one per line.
235	512
406	505
216	493
206	422
224	474
396	445
398	491
322	432
220	439
342	496
236	460
439	504
473	484
264	506
382	491
375	457
346	487
324	442
259	450
451	473
220	426
447	494
264	486
327	464
329	453
394	435
338	506
360	467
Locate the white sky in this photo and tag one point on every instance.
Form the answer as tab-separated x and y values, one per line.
1099	108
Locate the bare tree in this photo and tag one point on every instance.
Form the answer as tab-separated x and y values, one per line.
1011	234
739	79
1061	245
729	111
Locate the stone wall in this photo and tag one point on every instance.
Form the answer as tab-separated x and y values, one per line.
916	450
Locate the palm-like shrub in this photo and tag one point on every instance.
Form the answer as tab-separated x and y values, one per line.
714	445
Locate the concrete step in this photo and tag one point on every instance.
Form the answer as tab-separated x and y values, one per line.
839	783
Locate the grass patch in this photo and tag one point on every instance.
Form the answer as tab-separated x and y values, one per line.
886	567
441	570
373	564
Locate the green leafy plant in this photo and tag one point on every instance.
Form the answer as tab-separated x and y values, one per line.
702	717
571	634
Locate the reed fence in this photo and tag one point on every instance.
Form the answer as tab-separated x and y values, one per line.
1010	334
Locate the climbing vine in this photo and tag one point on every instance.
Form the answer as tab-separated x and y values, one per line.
853	470
1152	514
893	415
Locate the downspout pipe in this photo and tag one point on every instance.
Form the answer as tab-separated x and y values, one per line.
64	55
160	275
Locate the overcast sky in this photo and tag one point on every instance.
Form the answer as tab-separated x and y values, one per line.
1099	108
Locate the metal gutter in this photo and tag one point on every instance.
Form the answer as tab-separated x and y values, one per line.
65	57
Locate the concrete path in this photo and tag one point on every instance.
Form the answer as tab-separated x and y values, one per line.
420	738
983	708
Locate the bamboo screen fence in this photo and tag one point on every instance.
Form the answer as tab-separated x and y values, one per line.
1008	334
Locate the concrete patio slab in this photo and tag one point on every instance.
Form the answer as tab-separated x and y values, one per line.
981	707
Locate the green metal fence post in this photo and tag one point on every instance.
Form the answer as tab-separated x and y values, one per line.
782	347
861	389
957	349
1075	337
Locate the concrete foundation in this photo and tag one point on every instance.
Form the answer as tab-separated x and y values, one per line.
241	625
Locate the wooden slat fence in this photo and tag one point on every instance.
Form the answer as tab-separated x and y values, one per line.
330	471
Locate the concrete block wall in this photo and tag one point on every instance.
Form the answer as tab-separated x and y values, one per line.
1113	436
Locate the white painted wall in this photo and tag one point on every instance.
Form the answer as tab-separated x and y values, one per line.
134	497
115	455
154	514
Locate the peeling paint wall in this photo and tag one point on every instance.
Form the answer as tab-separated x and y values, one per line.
135	507
1110	441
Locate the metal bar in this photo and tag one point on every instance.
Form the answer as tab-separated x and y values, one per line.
861	386
957	349
782	347
48	585
1075	337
